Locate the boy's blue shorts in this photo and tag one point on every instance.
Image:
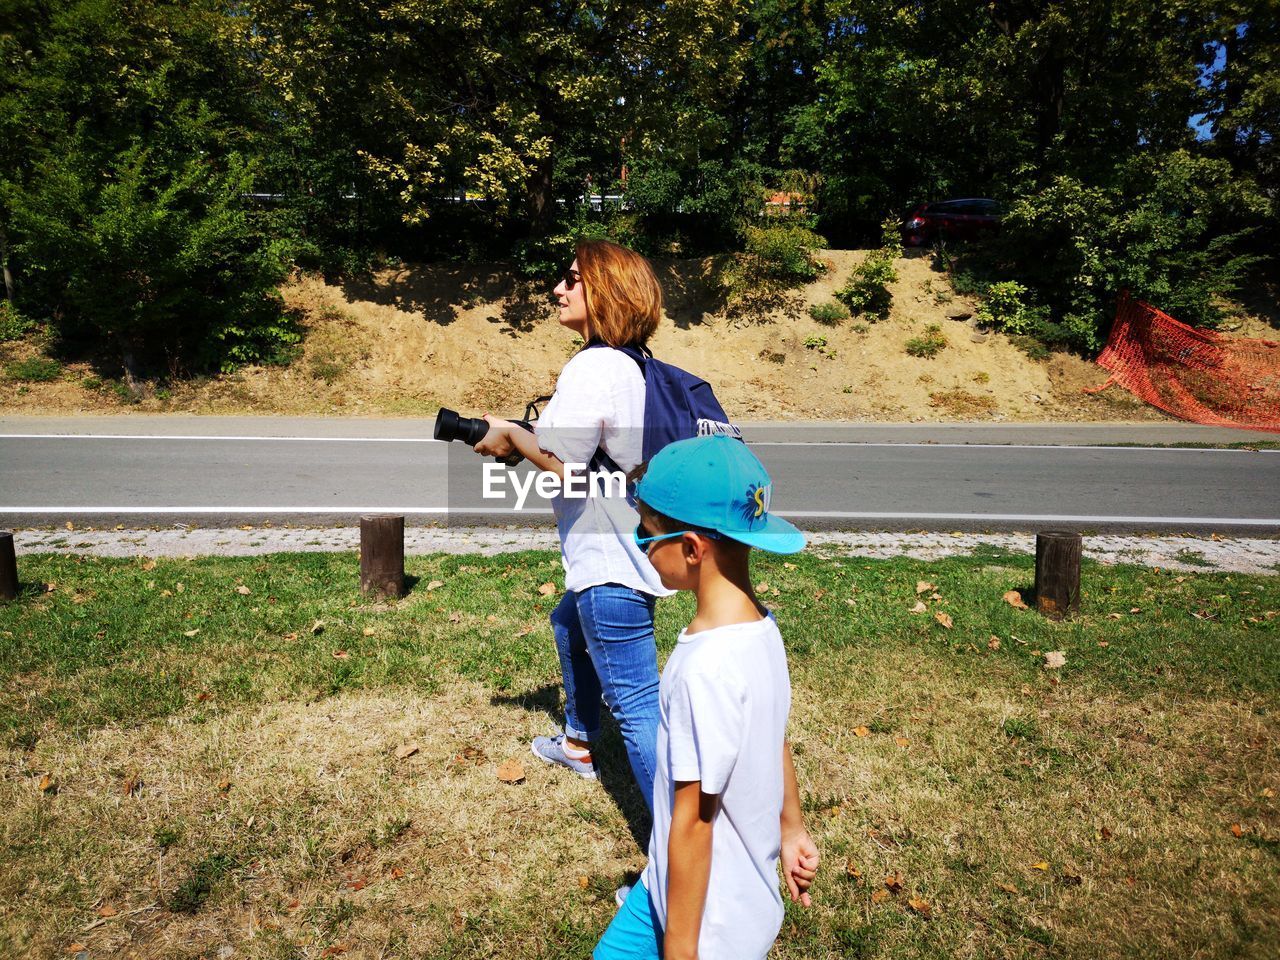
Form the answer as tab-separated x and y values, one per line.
634	933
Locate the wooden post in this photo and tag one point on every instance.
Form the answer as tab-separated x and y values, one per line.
8	567
1058	573
382	555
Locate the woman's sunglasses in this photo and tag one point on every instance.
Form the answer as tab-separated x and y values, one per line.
571	278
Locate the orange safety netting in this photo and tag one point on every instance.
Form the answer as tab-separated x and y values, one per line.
1197	375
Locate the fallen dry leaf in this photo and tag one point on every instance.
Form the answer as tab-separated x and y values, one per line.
993	643
291	637
1042	865
511	771
919	607
584	882
369	631
1055	659
317	628
547	589
337	950
455	617
1267	793
224	786
1014	599
1105	833
105	911
944	619
190	633
48	784
860	731
880	896
406	751
762	588
435	585
920	906
149	565
75	947
1237	830
243	590
790	566
1007	887
358	884
852	872
491	618
525	630
901	741
341	655
130	786
396	873
923	586
893	883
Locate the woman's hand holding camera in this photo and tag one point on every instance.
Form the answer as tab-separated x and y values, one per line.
497	442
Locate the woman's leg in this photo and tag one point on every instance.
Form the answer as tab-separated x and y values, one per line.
581	685
617	624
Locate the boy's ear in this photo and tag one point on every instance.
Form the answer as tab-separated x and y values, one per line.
693	547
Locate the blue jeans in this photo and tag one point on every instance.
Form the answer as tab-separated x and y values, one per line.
604	636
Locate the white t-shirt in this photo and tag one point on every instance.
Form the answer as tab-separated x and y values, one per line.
724	700
599	403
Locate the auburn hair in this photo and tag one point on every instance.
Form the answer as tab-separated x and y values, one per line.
624	301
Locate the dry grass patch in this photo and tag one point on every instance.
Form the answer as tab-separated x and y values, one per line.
293	828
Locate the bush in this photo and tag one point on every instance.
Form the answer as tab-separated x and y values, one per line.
159	257
929	345
13	325
1157	226
773	258
867	290
34	370
831	312
1004	309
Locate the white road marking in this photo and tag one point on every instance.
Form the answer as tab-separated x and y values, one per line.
798	514
1120	448
148	436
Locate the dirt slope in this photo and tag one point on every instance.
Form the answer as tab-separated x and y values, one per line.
471	338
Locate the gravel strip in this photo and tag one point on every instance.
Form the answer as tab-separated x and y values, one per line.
1221	554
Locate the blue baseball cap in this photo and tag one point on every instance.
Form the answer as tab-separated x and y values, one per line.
716	483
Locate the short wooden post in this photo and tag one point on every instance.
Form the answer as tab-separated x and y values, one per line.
382	555
8	567
1058	573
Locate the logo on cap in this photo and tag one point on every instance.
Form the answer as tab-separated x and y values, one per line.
757	505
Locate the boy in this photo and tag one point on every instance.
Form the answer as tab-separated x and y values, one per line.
726	806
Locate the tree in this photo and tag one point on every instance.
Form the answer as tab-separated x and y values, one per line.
130	195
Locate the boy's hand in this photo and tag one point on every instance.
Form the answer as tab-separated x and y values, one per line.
799	864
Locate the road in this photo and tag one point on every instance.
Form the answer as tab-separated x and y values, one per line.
158	471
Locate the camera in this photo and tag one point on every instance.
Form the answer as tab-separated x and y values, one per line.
451	426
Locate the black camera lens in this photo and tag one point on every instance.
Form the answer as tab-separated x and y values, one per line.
450	426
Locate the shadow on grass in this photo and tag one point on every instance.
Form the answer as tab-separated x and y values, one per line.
612	764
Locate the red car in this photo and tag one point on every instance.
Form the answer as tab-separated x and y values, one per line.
950	220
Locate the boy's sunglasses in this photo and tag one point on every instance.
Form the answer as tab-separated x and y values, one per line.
571	278
643	540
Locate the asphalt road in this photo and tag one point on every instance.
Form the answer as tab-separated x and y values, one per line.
158	471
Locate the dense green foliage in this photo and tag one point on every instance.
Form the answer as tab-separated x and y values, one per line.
163	163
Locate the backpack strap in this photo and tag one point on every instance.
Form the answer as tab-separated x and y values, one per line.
639	353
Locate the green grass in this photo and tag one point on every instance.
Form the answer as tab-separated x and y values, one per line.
34	370
270	793
929	344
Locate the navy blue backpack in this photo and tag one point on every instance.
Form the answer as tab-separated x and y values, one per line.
677	405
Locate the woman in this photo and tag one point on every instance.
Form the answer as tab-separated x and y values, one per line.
603	625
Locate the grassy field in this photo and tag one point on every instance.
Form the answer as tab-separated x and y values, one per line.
246	758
